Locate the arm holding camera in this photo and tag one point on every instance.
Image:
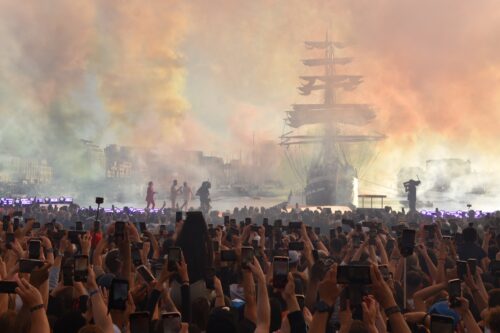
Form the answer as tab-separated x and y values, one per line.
250	296
467	317
328	293
480	299
263	306
384	296
422	295
421	248
295	316
384	260
100	312
32	300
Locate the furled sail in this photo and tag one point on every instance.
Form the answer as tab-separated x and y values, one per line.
324	61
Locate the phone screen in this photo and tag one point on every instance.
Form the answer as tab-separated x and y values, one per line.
461	269
81	268
67	271
247	254
472	266
139	322
145	273
79	226
178	216
28	265
353	274
408	237
118	294
296	246
174	256
227	255
280	272
34	249
454	288
120	230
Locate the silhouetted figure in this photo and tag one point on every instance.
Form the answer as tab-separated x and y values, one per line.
204	194
411	188
187	194
150	196
174	191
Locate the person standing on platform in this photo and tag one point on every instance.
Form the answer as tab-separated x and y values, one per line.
187	194
150	196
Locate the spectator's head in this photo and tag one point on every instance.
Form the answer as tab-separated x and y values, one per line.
494	298
469	235
150	183
199	257
414	280
221	320
69	323
175	181
91	329
493	320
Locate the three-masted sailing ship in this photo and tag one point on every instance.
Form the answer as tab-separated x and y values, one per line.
330	178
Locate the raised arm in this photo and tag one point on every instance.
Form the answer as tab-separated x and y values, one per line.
263	306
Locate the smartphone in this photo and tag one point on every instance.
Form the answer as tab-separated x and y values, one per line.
34	247
67	275
119	231
255	228
247	254
441	324
171	322
461	269
49	226
454	292
472	265
81	268
174	257
99	200
301	299
5	225
228	255
142	227
226	220
118	294
296	246
139	322
407	242
145	274
495	267
278	223
211	232
16	223
178	216
248	221
280	272
317	230
73	236
36	225
215	246
373	235
8	287
294	226
78	226
28	265
389	246
9	239
136	255
353	274
97	226
384	270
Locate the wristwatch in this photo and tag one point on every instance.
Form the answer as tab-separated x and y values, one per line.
323	307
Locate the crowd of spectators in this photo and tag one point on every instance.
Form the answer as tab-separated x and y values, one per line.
250	270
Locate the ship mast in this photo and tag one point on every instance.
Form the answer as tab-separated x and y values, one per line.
330	113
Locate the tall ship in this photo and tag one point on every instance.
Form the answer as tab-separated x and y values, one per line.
334	131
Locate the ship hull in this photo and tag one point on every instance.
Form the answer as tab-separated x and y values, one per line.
332	188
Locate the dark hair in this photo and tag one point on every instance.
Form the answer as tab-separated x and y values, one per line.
69	323
196	245
494	298
469	235
199	312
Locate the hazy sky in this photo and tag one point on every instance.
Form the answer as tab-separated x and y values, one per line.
212	74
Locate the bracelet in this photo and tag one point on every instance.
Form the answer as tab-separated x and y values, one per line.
51	250
392	310
36	308
93	292
185	282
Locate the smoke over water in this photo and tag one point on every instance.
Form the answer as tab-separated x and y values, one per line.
218	76
106	71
